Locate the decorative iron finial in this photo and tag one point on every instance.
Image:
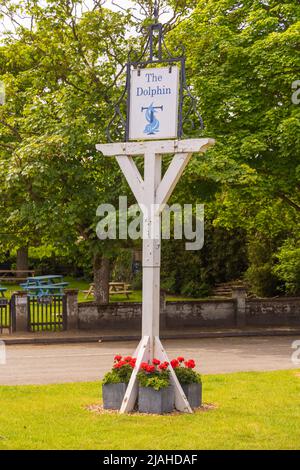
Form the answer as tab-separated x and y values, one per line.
155	52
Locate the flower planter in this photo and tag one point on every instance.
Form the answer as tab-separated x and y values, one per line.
113	395
156	401
193	393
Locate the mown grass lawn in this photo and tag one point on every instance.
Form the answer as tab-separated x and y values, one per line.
254	411
82	285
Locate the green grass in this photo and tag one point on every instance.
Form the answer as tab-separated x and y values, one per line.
254	411
136	295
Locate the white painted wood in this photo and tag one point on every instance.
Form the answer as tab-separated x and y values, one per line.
152	193
151	218
171	177
132	175
151	302
157	146
132	389
181	402
151	248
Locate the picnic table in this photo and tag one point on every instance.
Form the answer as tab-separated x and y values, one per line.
44	286
2	291
115	288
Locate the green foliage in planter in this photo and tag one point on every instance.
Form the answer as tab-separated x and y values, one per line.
112	378
117	376
187	376
156	380
121	371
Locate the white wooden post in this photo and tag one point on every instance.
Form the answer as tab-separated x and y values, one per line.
152	193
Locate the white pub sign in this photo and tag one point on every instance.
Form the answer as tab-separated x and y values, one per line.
153	112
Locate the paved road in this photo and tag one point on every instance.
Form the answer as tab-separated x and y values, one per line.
36	364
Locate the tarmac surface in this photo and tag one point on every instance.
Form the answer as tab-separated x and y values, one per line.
58	363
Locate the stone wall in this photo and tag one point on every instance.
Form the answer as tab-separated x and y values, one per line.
217	313
115	315
206	313
283	311
129	314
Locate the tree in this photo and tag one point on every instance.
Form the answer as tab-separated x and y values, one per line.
244	58
60	75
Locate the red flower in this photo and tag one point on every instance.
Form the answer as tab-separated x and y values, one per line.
163	366
174	363
144	366
190	364
127	358
132	362
156	362
180	359
150	368
117	357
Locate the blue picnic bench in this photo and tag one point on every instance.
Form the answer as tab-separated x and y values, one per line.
2	291
45	286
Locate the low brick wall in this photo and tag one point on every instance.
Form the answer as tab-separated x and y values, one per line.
207	313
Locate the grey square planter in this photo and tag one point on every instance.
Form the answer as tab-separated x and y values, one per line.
113	395
156	401
193	393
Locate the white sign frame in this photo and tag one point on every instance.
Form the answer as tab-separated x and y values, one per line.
153	103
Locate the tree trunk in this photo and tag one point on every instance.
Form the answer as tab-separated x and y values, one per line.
22	261
101	279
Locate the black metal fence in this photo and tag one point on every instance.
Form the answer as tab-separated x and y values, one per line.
47	313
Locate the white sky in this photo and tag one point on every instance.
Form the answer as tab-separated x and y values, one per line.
5	24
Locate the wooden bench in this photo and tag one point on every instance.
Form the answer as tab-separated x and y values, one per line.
2	291
115	288
7	274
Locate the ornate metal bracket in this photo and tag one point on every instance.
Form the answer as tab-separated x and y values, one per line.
155	52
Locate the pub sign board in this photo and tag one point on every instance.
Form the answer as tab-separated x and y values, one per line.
153	104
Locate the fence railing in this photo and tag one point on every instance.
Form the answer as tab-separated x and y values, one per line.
47	313
5	316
